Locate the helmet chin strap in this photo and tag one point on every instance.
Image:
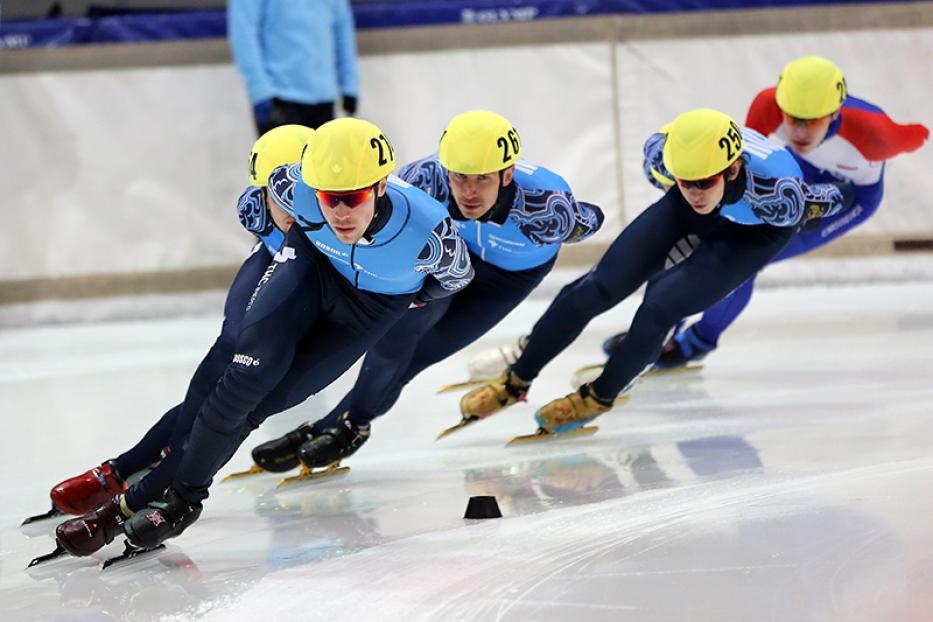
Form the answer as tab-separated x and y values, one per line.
734	188
502	204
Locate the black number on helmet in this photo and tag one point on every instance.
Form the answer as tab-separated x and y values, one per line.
388	146
252	164
502	142
841	87
732	141
382	144
725	144
513	138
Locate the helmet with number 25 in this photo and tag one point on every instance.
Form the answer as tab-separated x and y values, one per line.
701	143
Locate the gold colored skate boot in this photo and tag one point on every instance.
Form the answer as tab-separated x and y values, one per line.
495	395
573	411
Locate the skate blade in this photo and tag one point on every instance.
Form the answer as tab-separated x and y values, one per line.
253	470
456	428
460	386
58	552
307	474
650	373
684	369
53	513
129	552
542	435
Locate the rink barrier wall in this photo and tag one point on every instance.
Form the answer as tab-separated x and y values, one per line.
597	47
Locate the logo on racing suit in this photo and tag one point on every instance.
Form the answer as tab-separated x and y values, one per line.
284	255
245	359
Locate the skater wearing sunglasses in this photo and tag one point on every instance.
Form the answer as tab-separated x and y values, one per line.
514	216
834	136
742	198
361	250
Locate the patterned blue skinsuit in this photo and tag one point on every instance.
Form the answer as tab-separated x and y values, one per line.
512	247
760	211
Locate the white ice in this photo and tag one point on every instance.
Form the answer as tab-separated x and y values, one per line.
789	480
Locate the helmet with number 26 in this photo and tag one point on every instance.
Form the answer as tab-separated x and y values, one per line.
479	142
701	143
347	154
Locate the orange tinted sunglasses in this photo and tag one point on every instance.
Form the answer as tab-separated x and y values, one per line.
350	198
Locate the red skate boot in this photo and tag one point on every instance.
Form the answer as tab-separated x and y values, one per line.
86	492
88	534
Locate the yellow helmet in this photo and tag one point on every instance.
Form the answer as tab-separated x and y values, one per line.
347	154
701	143
810	87
479	142
278	146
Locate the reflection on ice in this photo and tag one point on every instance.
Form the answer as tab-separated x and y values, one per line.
785	481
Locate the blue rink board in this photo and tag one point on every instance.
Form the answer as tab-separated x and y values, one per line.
149	27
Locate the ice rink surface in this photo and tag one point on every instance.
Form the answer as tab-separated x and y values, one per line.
789	480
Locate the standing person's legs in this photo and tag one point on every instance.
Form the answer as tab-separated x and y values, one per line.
314	115
284	112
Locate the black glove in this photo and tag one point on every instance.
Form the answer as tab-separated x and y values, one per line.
349	104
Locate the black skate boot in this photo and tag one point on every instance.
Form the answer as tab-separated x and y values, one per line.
333	444
161	520
281	454
686	347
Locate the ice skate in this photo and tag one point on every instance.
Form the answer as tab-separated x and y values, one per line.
160	520
589	373
568	415
320	457
541	435
496	395
687	347
83	493
129	553
88	534
488	365
278	455
54	512
308	474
